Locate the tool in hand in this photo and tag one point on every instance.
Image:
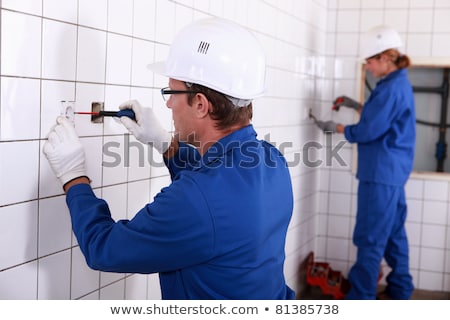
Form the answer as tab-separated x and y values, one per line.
338	100
122	113
311	116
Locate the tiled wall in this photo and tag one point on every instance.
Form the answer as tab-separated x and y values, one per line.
97	50
425	28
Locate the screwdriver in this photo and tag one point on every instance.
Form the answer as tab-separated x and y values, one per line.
122	113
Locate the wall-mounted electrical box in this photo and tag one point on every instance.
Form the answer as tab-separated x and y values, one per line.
68	110
430	81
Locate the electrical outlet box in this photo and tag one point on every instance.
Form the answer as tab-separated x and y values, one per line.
97	107
68	110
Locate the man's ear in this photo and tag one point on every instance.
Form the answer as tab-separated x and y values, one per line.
201	105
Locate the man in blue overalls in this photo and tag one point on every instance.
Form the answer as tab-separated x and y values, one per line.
218	230
385	135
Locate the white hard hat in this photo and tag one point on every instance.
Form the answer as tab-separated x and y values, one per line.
379	39
217	54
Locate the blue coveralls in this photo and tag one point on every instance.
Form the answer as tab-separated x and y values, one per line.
216	232
386	140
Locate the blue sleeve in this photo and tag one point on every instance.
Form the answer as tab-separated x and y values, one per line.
173	232
376	118
186	158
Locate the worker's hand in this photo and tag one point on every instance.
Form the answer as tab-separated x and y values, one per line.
64	151
346	102
326	126
146	128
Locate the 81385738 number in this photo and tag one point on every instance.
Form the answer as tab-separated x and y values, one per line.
307	309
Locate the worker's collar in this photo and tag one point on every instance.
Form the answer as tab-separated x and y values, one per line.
234	140
394	74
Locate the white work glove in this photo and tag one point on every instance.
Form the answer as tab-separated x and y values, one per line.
64	151
147	128
327	126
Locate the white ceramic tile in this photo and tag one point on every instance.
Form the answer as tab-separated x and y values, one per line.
440	46
441	23
370	19
140	159
28	6
414	232
66	10
446	283
447	256
432	259
371	4
430	281
116	197
54	277
136	287
419	45
115	291
420	4
414	210
83	279
338	226
87	93
106	278
138	197
91	55
19	162
49	184
433	236
160	54
18	235
154	289
52	93
349	4
143	27
157	184
93	147
165	21
93	13
19	110
120	16
114	96
340	181
347	21
338	248
20	45
414	255
114	169
402	4
20	281
397	19
340	203
420	20
414	188
118	60
323	202
184	15
441	4
292	238
143	55
345	44
435	212
55	232
436	190
59	41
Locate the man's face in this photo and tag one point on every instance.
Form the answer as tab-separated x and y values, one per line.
182	113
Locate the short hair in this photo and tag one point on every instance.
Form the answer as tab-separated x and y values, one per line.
224	112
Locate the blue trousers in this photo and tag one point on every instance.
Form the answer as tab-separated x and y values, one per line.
380	232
